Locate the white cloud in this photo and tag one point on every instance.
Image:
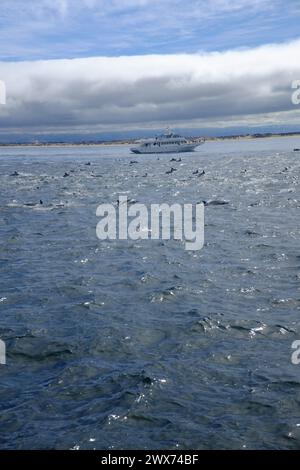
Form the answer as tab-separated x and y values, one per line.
130	92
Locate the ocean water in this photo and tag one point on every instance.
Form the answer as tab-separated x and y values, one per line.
142	344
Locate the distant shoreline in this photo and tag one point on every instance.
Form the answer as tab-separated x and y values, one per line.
132	141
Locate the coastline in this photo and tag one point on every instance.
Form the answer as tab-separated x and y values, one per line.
131	142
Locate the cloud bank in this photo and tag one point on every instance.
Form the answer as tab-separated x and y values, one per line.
184	90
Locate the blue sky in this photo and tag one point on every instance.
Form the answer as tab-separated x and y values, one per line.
103	67
51	29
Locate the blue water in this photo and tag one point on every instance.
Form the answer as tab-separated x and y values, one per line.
141	344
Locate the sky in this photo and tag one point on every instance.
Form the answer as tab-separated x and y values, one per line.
111	67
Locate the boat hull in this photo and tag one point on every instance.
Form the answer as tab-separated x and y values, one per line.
175	149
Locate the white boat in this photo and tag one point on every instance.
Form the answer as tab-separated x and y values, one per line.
166	143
